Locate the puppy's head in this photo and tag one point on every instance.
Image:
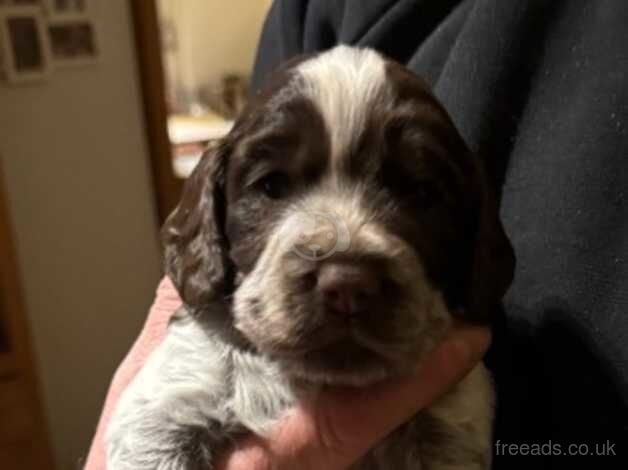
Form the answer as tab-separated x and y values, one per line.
346	217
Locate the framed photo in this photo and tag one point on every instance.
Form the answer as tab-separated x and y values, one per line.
24	46
66	8
73	41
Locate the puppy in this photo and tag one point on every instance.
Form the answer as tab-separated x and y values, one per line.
330	238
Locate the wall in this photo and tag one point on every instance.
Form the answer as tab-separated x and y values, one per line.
213	37
75	159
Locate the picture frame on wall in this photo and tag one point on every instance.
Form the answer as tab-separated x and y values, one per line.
73	41
66	9
24	44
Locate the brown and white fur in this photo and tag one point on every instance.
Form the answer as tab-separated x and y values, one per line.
329	239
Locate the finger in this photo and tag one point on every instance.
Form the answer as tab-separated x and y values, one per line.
375	411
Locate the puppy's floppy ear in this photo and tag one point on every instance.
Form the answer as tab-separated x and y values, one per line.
492	260
193	235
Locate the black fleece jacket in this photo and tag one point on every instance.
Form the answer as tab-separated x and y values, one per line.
540	90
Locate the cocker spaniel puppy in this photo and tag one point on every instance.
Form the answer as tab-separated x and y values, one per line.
330	238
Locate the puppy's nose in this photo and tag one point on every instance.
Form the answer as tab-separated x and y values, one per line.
347	289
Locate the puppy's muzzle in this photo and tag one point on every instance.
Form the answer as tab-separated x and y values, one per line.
347	289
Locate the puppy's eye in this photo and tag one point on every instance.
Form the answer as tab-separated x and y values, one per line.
420	194
426	195
274	185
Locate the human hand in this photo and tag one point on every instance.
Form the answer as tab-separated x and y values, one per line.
345	423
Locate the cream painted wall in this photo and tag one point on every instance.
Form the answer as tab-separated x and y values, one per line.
75	159
214	37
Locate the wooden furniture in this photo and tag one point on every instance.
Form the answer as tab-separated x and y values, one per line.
24	443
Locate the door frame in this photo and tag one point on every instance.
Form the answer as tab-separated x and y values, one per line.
167	186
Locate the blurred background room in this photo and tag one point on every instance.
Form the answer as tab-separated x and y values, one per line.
105	108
